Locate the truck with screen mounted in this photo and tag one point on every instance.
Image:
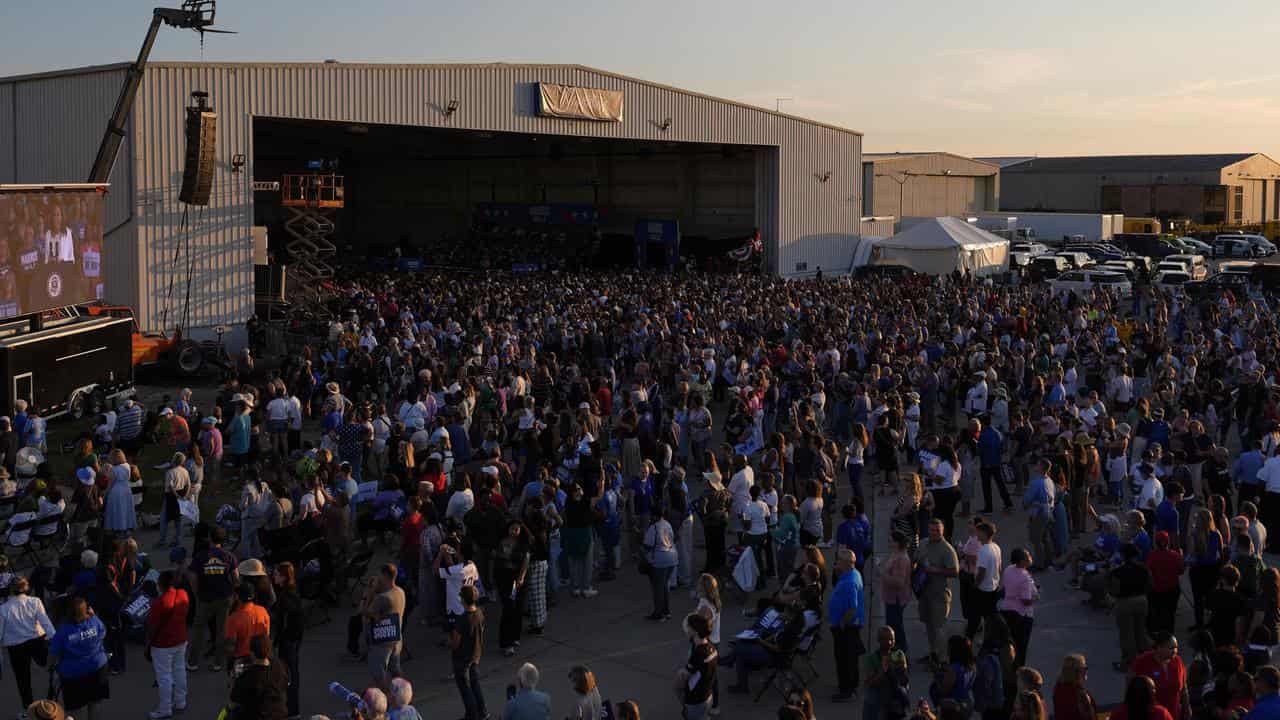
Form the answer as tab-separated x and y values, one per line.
73	365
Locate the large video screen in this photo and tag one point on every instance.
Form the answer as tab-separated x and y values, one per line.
50	249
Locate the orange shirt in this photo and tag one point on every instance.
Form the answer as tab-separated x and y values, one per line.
248	621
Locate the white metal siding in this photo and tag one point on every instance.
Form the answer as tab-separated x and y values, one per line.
802	219
50	128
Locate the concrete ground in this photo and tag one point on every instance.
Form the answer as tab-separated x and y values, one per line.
631	657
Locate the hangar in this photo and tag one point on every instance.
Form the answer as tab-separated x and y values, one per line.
424	150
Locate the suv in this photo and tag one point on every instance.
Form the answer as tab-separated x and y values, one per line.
1092	279
1242	245
1076	258
1047	267
1237	282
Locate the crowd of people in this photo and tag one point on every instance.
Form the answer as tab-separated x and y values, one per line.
506	445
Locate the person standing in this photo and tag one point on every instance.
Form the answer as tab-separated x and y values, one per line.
660	552
25	630
166	645
991	459
287	624
1130	584
1017	605
877	666
213	575
1165	668
467	643
384	617
698	676
259	693
1038	501
895	584
937	560
846	611
986	579
1269	480
1071	698
77	651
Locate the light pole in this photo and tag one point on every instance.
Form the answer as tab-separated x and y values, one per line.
777	103
902	183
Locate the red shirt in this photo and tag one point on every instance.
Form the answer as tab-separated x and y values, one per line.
604	397
1166	567
411	533
1170	680
167	621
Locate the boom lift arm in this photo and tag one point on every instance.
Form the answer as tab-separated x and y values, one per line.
193	15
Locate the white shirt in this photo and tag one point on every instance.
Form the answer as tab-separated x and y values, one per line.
23	618
757	517
460	503
295	413
740	489
1151	495
278	409
715	619
989	559
975	401
950	477
59	246
455	578
1269	475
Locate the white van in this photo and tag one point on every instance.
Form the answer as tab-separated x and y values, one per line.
1195	266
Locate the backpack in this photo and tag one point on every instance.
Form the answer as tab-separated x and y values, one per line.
988	686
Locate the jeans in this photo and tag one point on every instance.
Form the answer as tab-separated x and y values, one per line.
206	610
20	658
748	656
467	677
658	583
698	711
893	614
171	677
115	647
855	479
290	653
990	474
165	519
580	569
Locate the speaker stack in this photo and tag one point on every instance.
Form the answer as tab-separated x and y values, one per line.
197	171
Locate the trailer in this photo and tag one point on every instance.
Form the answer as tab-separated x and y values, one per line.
71	365
1054	228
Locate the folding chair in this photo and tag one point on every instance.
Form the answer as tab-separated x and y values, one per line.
49	531
782	671
18	537
807	650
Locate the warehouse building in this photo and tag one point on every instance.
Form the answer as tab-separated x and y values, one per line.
422	149
1233	189
928	184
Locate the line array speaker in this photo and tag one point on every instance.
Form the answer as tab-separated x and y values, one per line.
197	170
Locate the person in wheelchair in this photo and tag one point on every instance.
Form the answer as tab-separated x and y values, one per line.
1089	564
770	642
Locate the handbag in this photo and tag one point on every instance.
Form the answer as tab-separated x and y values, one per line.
919	579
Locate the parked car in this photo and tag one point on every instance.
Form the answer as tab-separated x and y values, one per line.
1170	280
1196	247
1030	248
1242	245
1047	267
1148	244
1194	265
1119	266
1076	259
1092	279
1237	282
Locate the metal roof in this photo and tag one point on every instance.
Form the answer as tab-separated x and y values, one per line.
1129	163
928	153
454	66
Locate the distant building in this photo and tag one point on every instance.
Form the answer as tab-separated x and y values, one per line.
1241	188
927	184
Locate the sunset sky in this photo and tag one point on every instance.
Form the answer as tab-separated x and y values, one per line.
984	77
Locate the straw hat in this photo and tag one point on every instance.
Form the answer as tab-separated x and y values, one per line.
332	388
1083	438
252	567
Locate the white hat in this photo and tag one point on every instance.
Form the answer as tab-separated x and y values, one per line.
166	412
85	475
584	405
435	456
490	470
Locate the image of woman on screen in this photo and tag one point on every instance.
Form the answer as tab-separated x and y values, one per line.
59	241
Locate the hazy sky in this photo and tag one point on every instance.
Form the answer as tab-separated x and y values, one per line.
982	77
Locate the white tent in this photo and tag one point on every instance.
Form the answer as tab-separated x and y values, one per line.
941	245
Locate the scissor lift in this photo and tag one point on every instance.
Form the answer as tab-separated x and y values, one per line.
313	200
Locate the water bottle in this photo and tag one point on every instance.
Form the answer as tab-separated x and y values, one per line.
346	696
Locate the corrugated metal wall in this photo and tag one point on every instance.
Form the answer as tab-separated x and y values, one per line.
50	128
808	222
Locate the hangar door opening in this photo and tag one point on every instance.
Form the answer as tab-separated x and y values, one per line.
476	199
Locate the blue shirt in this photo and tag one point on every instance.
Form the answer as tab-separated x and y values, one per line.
1168	519
855	534
845	596
1142	541
990	447
528	705
1245	469
1038	498
79	647
1266	708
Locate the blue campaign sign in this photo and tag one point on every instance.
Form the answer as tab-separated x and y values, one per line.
662	233
385	630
